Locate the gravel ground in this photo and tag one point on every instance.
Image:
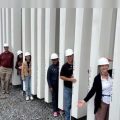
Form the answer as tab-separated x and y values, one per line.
14	107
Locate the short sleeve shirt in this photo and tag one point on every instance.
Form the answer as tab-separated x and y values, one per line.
67	71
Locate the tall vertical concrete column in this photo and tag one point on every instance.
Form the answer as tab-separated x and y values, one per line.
82	47
67	36
41	52
8	26
115	104
34	50
15	40
107	32
26	31
3	25
50	20
1	40
61	52
94	55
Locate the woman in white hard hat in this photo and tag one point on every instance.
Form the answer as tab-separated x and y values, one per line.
18	66
52	78
102	86
26	75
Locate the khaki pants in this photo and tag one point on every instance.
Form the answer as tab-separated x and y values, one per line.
5	75
103	112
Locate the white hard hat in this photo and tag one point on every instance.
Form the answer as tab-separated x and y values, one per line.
27	54
103	61
6	45
19	52
54	56
68	52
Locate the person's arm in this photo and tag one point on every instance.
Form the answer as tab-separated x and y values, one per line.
63	76
12	62
0	59
72	79
23	71
49	77
16	65
90	94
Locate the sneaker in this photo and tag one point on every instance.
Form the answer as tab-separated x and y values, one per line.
3	92
55	114
61	112
27	98
7	92
31	98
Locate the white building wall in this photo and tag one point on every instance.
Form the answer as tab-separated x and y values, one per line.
91	33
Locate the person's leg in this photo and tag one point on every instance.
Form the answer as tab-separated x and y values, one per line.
3	82
7	79
26	86
21	83
101	113
67	102
107	113
30	86
30	91
54	99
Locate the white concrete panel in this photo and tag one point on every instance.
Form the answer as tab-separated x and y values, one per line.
50	18
3	25
26	30
8	26
67	37
107	33
70	28
77	56
61	52
34	50
82	46
26	37
15	39
115	104
94	55
41	53
1	40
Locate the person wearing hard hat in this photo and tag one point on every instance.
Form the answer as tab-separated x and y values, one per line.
6	63
102	88
52	78
18	66
26	75
66	75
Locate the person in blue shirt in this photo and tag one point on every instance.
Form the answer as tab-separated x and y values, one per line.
52	79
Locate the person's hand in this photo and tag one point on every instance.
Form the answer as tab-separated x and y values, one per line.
51	89
72	79
20	67
81	103
110	60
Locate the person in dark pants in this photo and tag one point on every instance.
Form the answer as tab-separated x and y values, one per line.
52	78
66	75
18	66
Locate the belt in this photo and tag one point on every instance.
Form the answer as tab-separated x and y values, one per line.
107	95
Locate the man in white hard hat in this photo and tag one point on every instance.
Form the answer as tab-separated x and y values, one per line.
6	63
66	75
102	88
52	78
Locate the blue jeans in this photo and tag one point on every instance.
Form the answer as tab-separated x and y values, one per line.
21	82
67	102
28	85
